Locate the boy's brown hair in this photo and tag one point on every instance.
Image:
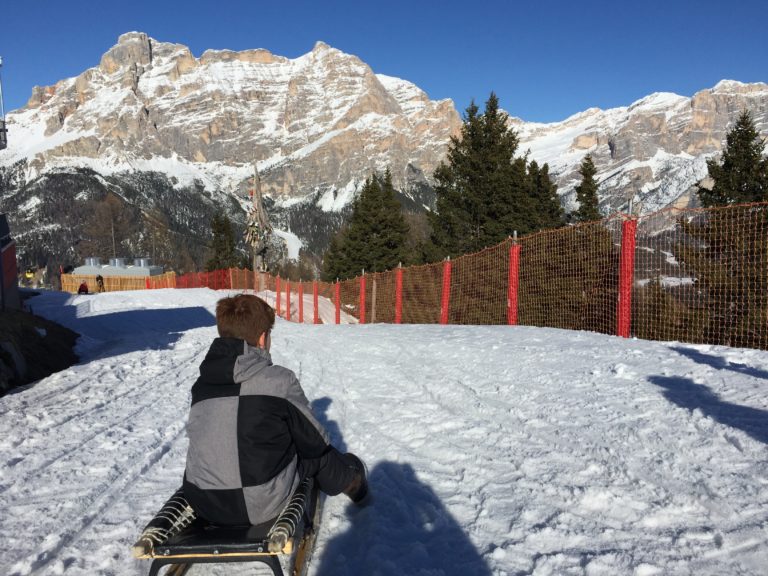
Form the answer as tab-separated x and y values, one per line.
244	316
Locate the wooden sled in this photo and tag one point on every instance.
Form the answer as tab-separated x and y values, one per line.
176	537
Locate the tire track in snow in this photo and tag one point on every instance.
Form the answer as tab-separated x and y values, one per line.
103	500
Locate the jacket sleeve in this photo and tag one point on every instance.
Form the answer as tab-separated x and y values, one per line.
308	440
295	395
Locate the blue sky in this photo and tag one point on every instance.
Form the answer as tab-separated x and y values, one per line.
545	59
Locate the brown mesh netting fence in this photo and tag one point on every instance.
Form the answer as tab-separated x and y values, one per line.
697	276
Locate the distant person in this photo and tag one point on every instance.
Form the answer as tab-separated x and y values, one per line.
252	434
83	289
100	283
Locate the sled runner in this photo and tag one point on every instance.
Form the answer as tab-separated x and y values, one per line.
176	537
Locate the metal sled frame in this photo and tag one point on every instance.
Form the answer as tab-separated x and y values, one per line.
176	537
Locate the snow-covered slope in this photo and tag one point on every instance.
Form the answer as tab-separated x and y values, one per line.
492	450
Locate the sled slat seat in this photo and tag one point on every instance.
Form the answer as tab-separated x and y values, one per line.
177	536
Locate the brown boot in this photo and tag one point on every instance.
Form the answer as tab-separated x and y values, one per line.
358	487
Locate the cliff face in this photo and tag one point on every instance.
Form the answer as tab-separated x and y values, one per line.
320	121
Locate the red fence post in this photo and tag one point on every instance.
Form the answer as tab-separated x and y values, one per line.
277	295
446	296
301	302
337	297
399	294
362	298
315	313
514	284
147	282
626	277
288	300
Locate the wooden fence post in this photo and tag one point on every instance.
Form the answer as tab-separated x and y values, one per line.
288	300
626	277
277	295
446	295
373	297
301	302
315	313
399	294
362	298
337	297
513	284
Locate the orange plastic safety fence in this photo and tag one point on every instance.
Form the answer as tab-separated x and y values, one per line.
479	287
687	275
701	276
569	277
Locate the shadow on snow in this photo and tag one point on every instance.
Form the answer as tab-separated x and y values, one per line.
124	331
405	529
687	394
720	363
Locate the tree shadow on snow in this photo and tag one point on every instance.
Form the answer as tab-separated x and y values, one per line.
720	363
405	529
687	394
120	332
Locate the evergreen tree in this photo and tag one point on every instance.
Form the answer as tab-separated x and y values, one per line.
741	175
726	250
223	244
586	193
484	193
375	236
547	208
334	259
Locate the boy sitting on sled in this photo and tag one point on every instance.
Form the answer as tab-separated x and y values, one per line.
252	435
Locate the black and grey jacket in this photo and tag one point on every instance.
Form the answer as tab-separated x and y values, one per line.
249	423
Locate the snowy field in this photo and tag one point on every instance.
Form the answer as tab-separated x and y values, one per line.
492	450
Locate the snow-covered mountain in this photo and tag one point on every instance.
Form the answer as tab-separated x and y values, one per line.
322	121
652	152
173	138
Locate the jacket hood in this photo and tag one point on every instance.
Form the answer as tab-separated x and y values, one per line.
232	361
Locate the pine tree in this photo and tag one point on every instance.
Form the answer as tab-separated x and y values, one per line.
548	210
375	236
483	192
334	259
726	250
222	244
741	175
586	193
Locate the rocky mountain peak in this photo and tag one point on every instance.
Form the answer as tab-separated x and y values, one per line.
323	120
132	49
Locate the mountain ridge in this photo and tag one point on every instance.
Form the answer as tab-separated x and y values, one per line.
151	121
